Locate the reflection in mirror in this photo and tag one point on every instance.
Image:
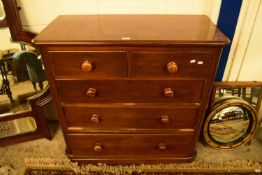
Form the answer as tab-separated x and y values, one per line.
232	119
2	11
229	125
18	81
249	94
17	127
23	87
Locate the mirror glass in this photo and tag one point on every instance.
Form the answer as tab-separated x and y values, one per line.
17	127
21	77
230	124
19	80
249	94
2	11
16	85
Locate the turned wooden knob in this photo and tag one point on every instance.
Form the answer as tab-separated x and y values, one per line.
91	92
172	67
164	119
98	147
162	146
87	66
95	119
168	92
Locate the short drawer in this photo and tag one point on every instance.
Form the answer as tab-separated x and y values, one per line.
137	91
88	65
129	118
171	64
126	145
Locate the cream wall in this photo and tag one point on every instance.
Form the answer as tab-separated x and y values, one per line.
245	58
5	40
5	37
36	14
251	68
2	14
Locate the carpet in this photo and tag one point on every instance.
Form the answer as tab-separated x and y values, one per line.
52	166
7	128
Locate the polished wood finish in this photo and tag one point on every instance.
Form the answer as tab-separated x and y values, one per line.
136	91
167	64
124	117
88	65
162	146
128	145
164	119
91	92
95	118
172	67
141	29
151	75
98	147
169	92
38	103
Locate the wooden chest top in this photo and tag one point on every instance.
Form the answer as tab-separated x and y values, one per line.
132	29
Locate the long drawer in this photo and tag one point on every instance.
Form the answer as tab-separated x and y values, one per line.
126	145
129	118
137	91
88	65
170	65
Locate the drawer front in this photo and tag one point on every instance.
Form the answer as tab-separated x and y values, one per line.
130	118
126	145
138	91
171	64
88	65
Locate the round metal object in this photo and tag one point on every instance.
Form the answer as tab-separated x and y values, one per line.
232	122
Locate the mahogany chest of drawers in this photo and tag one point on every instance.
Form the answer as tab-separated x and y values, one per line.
131	88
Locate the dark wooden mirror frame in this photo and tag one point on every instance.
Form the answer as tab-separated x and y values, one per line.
39	101
13	22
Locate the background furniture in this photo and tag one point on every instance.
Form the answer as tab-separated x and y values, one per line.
33	65
18	70
5	84
131	88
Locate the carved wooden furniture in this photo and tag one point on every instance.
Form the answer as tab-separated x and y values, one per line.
131	88
38	104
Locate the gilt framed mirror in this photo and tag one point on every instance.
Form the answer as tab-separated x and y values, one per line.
232	118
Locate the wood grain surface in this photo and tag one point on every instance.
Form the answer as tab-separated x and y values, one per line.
131	29
117	99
